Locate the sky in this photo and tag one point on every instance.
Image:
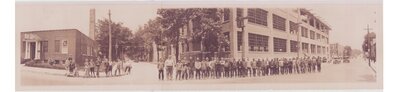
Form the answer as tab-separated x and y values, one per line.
347	21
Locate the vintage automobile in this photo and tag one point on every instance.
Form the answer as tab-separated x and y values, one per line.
324	60
346	60
336	60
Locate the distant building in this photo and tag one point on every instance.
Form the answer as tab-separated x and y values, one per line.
269	33
57	45
336	50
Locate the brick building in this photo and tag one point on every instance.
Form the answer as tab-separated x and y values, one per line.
57	45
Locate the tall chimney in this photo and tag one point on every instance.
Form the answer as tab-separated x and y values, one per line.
92	24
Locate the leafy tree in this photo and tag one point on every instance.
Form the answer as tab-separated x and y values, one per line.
147	35
172	21
121	38
207	27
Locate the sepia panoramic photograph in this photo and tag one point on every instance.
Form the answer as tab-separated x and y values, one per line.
157	46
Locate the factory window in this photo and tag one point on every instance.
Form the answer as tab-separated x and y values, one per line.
45	46
312	22
226	14
279	45
294	28
304	32
57	46
258	42
312	48
227	37
258	16
279	22
239	12
293	46
312	34
305	47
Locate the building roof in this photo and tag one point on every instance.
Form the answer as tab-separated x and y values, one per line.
316	17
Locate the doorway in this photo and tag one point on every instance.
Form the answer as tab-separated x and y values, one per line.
32	50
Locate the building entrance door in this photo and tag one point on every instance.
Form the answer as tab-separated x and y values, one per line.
32	50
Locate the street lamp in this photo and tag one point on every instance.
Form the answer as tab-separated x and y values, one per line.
240	24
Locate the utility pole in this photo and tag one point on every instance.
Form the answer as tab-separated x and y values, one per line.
369	47
368	44
240	24
109	36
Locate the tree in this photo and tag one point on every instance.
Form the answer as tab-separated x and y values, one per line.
172	21
149	34
347	51
121	38
369	46
207	25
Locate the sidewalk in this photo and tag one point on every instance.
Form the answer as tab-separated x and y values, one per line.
57	72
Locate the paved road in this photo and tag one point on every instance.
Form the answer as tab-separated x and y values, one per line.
146	73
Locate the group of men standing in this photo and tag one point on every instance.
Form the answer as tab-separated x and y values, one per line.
215	68
93	67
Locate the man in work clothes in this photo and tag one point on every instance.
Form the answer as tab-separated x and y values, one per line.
169	63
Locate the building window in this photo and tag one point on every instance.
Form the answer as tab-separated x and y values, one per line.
312	48
293	46
312	35
257	16
318	36
227	36
294	28
304	32
226	14
317	24
323	50
279	45
311	22
319	49
239	40
239	12
258	42
305	47
196	45
57	46
45	46
279	22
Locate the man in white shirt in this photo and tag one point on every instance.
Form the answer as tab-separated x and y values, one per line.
169	63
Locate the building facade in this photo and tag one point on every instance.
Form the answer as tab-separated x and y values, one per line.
336	50
276	33
57	45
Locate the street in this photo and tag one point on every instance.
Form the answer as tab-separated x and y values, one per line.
146	73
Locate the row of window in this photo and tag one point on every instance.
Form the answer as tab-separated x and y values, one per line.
313	21
313	35
260	16
314	48
57	47
259	43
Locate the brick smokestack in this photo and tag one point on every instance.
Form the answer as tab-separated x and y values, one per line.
92	24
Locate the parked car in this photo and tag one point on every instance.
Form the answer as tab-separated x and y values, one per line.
324	60
346	61
336	60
